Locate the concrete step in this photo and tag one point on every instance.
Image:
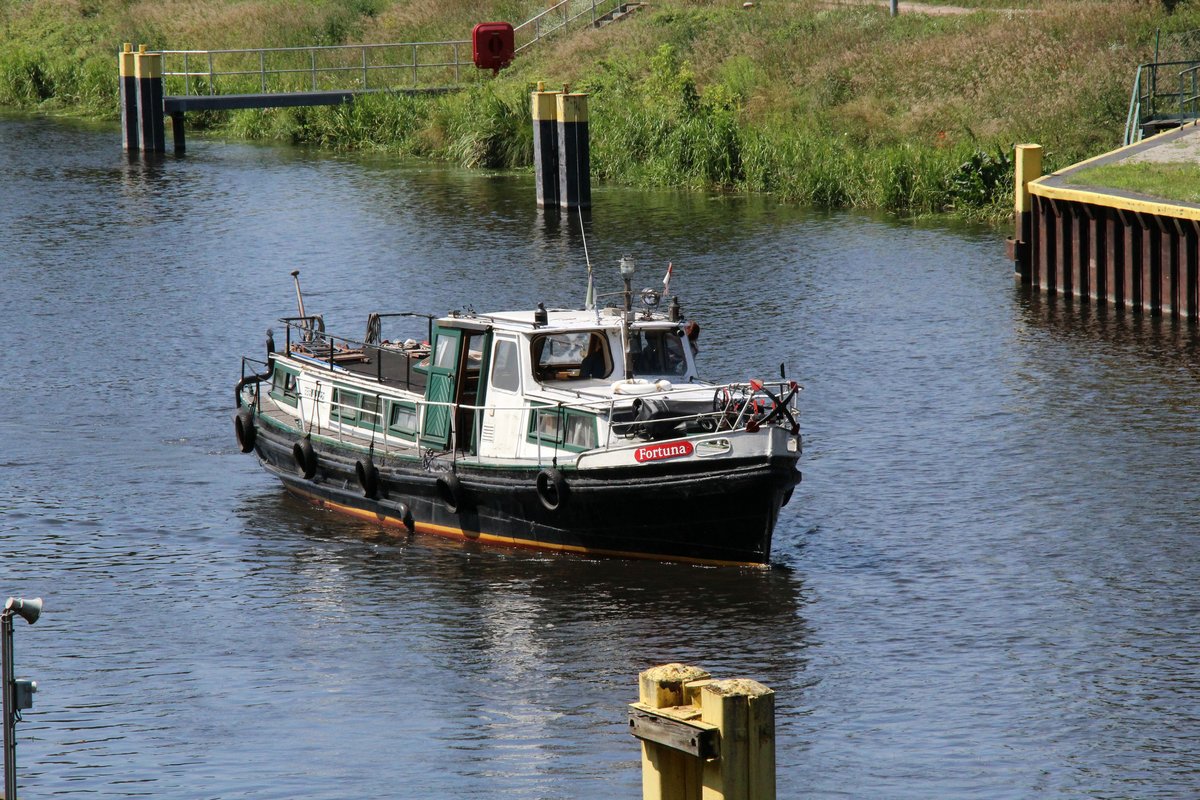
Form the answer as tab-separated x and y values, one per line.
620	12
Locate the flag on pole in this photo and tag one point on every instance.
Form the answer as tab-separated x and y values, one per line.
667	280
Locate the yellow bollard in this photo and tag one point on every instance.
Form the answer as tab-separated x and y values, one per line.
574	150
744	711
148	70
1028	167
128	98
545	145
704	739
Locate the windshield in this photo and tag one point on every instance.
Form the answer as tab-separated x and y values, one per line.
659	352
577	355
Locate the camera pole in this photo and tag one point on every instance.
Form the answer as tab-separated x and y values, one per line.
16	694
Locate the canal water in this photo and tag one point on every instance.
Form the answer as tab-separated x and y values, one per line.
984	588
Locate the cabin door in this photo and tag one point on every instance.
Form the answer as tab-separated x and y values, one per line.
441	389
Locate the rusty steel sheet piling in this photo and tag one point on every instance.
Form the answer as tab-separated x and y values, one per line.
1113	247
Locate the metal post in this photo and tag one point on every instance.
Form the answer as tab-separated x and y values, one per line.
313	61
16	694
364	62
262	70
895	7
10	739
212	89
414	65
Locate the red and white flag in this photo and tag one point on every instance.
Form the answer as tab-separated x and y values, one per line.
667	280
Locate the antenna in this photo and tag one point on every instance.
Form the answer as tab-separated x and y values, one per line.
590	299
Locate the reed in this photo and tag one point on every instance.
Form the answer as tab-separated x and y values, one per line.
837	106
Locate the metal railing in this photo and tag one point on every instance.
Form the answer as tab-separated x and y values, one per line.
278	70
560	16
1150	103
360	67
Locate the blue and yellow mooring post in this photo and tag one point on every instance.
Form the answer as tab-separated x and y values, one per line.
574	152
545	145
704	739
129	109
147	68
1028	165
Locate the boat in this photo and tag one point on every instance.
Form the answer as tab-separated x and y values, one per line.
578	430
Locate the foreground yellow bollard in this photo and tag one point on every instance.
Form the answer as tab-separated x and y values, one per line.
704	739
744	711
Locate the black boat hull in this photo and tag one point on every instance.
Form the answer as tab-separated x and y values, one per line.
693	512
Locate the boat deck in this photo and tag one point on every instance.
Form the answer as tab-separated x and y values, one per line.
395	367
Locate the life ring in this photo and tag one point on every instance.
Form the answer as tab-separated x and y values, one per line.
552	489
243	426
639	386
368	477
305	458
450	490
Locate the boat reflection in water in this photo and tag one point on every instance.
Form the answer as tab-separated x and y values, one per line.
498	661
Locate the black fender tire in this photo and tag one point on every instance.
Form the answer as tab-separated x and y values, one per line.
552	489
243	427
305	458
450	490
368	477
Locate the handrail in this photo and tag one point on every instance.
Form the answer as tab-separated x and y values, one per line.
1189	104
1146	101
327	64
324	65
591	8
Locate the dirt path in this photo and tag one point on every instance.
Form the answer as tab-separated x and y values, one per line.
923	8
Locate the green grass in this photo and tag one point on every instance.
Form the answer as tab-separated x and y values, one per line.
1168	181
834	106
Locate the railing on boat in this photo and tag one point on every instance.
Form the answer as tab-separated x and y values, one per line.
737	411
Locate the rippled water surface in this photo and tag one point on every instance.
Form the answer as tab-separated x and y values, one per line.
985	586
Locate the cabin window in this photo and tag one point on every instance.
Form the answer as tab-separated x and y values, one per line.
368	414
572	356
661	353
283	386
446	355
403	420
344	406
505	374
571	430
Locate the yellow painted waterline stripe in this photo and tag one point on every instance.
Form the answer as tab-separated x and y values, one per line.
490	538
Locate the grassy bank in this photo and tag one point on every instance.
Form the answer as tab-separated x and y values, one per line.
828	105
